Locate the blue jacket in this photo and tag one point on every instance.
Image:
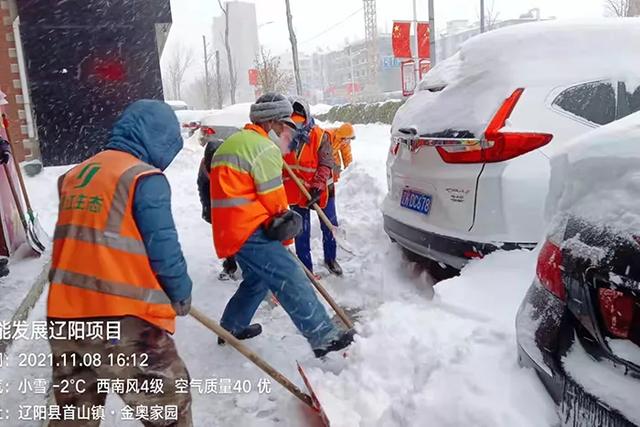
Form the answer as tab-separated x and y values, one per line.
150	131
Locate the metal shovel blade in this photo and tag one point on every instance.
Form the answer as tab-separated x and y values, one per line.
317	406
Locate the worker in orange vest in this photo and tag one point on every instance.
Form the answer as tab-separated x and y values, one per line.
251	219
340	138
311	159
117	266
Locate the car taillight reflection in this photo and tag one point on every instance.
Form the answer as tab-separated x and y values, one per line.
549	269
618	311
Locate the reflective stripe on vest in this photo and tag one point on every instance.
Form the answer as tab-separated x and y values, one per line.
297	167
232	160
151	296
230	203
265	187
109	237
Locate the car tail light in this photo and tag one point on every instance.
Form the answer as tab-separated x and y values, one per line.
207	131
395	145
549	269
617	311
473	255
497	146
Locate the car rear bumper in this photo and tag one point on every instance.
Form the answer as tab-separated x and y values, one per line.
448	250
544	331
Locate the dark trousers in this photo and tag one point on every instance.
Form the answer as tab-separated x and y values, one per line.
303	241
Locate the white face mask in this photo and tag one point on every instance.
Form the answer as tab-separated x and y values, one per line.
274	137
283	140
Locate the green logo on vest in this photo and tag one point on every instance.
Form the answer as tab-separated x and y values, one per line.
87	173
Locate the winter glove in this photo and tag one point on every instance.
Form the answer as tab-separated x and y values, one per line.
315	197
182	307
5	152
285	226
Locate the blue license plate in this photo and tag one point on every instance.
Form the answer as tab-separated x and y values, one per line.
416	201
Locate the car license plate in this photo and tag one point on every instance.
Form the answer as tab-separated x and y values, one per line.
416	201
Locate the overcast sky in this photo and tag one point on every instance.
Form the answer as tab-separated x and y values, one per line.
327	24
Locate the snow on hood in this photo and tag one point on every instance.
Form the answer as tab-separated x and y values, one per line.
490	66
597	177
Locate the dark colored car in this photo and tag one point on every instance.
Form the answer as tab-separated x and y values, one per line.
585	298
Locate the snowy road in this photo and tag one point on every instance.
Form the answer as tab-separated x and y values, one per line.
446	362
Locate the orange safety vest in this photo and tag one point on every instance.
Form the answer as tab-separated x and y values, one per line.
341	153
100	266
304	163
245	193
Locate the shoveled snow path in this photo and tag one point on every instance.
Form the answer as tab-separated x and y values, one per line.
447	362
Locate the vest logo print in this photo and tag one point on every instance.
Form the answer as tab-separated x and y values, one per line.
87	173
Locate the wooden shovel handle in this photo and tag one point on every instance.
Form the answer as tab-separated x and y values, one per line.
323	217
5	122
316	283
257	360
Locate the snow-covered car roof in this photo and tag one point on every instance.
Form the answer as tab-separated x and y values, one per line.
597	177
490	66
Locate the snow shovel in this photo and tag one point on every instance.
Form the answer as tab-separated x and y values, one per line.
258	361
337	233
32	238
316	283
33	220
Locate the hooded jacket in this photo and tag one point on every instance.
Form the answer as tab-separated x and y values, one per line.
149	130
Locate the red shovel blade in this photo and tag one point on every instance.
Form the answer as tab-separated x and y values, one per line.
316	403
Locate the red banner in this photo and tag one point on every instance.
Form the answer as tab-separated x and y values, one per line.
401	39
424	38
253	77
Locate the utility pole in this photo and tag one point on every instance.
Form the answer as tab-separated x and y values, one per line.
416	65
353	84
207	82
482	16
432	32
294	49
218	80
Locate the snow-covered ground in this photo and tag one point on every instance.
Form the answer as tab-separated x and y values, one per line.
446	361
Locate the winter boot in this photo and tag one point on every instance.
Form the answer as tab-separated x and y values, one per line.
336	345
229	270
333	267
250	331
4	267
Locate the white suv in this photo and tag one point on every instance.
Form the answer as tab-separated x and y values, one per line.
468	167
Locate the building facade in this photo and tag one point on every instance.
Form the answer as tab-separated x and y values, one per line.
83	68
12	83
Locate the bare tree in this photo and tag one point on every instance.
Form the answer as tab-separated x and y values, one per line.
195	92
490	16
179	62
294	48
233	78
271	78
622	8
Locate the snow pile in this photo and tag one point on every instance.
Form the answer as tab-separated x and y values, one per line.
492	65
603	379
448	362
597	177
320	109
451	361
